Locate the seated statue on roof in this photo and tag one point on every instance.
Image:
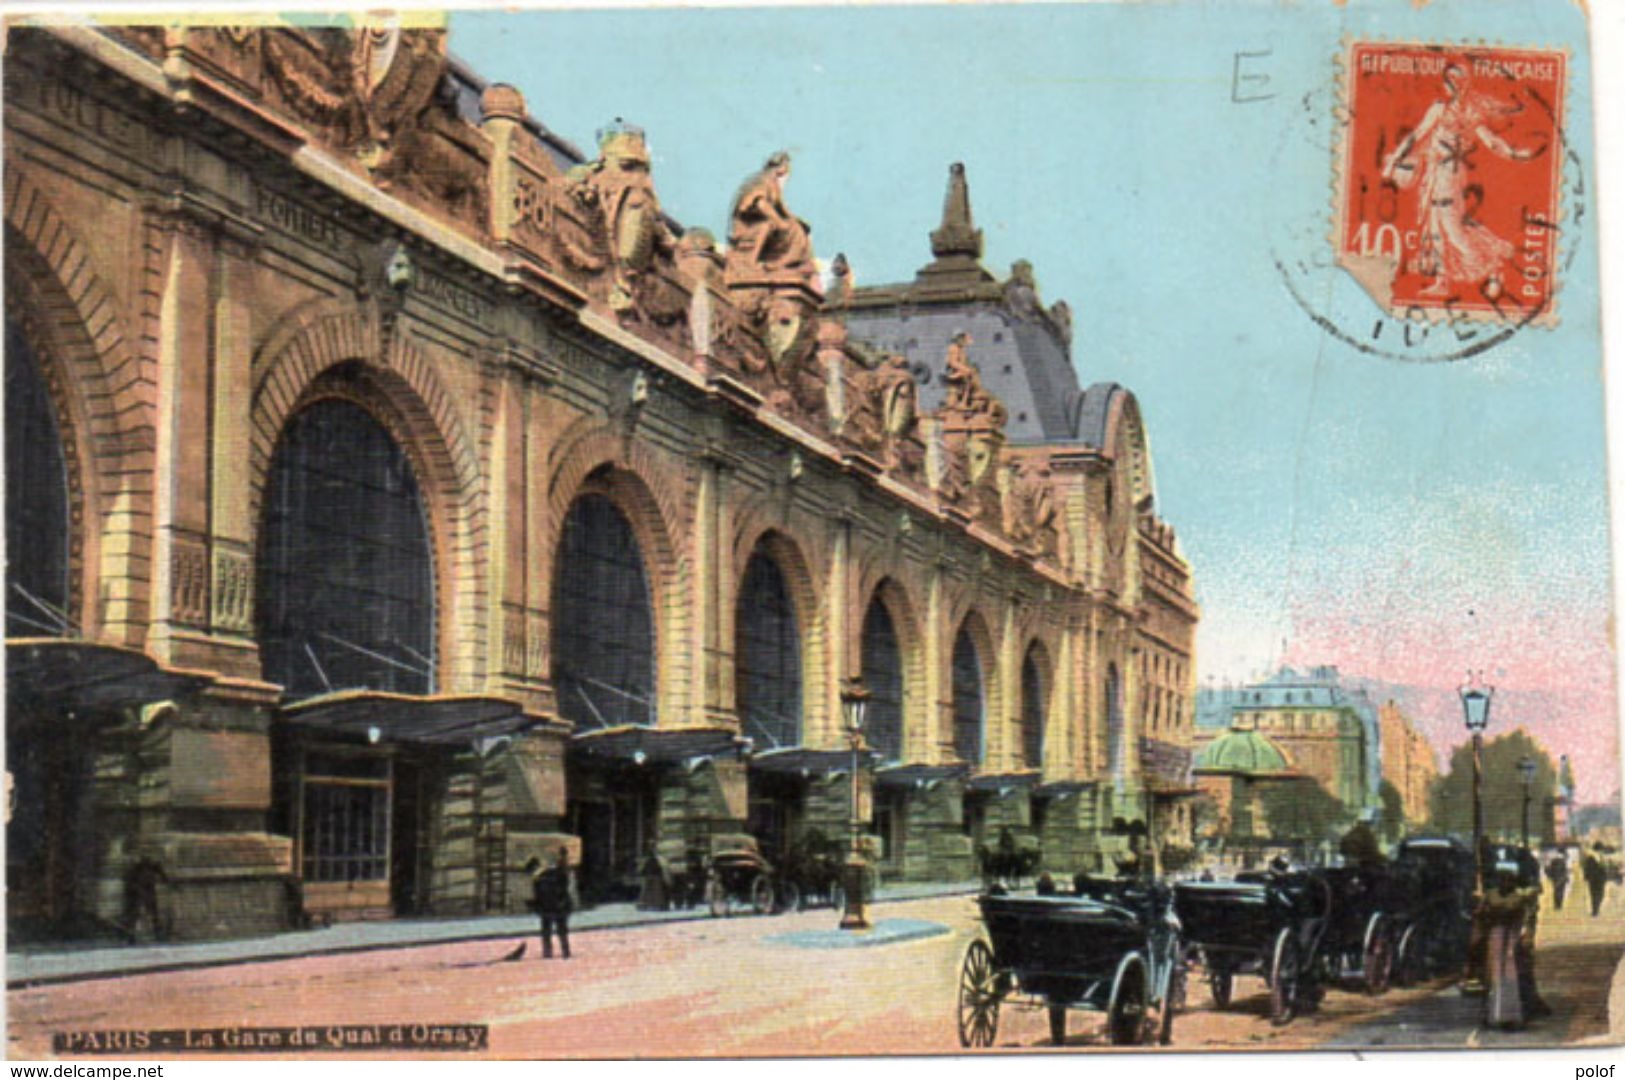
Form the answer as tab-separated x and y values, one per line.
765	240
966	396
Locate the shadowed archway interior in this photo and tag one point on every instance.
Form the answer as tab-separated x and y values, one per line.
346	570
769	656
604	658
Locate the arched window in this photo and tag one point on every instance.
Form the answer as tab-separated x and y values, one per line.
1034	707
969	703
36	500
1115	756
346	574
883	678
603	622
768	652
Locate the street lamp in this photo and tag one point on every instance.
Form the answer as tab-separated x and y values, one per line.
1475	705
854	703
1526	769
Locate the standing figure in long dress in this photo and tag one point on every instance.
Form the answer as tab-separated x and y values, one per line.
1457	248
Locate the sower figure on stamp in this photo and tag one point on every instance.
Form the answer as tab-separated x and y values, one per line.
1458	249
550	896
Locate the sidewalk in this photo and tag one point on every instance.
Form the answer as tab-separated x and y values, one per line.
35	966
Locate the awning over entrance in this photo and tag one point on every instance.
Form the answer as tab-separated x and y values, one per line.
657	746
430	720
919	776
83	676
1003	783
800	761
1060	789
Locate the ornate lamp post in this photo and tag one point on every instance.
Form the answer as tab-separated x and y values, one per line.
854	703
1475	705
1526	769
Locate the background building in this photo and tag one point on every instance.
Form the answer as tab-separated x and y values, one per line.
396	494
1408	761
1328	733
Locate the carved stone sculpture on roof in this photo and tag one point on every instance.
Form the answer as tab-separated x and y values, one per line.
773	279
1022	300
966	403
840	282
376	93
627	233
765	241
883	413
1032	516
972	431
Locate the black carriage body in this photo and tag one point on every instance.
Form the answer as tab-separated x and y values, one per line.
1066	950
1236	922
1359	895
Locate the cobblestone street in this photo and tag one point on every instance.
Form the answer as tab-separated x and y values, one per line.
749	987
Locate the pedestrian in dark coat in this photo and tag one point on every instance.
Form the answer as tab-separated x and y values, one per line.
550	895
1595	871
1557	872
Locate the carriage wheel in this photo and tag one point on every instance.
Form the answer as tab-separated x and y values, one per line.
1057	1025
1379	956
1222	981
761	895
1126	1019
717	897
1173	999
1284	978
789	896
1405	967
979	994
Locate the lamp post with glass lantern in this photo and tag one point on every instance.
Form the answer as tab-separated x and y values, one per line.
854	703
1475	705
1526	769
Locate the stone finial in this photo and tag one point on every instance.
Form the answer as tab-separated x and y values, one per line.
499	101
958	234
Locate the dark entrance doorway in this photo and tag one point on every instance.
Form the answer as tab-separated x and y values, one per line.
48	853
407	839
346	602
613	811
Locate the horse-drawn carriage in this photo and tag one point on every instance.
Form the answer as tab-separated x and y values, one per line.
1431	882
811	872
1117	953
737	876
1368	917
1269	925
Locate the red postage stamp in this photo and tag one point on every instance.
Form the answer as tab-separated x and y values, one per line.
1450	165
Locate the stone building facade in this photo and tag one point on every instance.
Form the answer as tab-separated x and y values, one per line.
1408	762
400	495
1327	731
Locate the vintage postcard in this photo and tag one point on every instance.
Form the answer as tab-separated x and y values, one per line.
634	533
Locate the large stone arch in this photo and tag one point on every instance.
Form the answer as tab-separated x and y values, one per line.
1037	651
104	396
972	622
601	463
806	595
328	351
903	610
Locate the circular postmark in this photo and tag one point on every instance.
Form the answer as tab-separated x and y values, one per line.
1456	200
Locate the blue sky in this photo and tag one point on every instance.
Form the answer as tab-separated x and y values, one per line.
1351	506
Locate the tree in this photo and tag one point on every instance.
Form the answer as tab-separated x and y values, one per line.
1301	811
1450	801
1392	822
